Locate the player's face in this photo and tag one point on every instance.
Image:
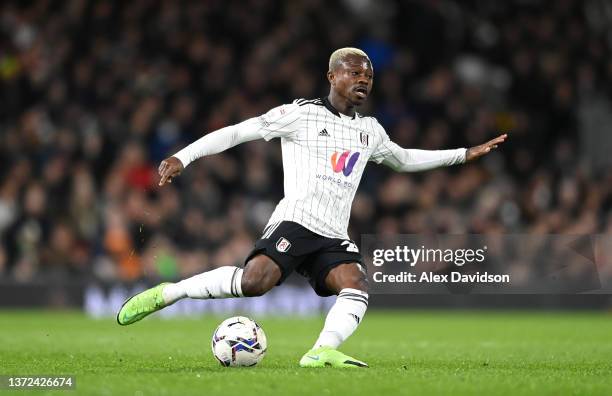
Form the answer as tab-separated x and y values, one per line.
353	79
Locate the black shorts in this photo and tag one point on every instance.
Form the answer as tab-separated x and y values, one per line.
294	247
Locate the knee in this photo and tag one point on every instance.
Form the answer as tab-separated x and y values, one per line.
260	275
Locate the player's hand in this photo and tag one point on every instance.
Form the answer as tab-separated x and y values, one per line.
169	168
478	151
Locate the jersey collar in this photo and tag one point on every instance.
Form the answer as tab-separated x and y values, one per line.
332	109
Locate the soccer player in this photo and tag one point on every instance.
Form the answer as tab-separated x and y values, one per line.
326	145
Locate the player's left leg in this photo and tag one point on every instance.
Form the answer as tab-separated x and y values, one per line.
349	282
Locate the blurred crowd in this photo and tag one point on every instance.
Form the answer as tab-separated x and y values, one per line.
94	94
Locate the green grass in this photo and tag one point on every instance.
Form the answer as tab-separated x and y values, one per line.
452	353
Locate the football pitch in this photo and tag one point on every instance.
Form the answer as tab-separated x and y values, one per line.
410	352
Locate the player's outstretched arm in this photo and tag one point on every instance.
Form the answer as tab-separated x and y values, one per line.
413	160
213	143
478	151
282	121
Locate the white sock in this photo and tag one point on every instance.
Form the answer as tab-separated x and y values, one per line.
222	282
343	318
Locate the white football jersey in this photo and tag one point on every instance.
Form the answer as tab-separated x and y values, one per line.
324	155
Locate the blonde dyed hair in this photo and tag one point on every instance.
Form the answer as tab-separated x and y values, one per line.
338	55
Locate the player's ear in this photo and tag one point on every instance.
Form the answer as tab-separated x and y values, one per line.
331	78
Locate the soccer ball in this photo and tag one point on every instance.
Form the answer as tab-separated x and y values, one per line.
239	341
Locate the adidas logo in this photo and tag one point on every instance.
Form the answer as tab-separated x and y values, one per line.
323	132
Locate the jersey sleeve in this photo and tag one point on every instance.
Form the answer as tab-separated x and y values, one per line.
282	121
412	160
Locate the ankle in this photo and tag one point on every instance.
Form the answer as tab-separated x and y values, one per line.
173	292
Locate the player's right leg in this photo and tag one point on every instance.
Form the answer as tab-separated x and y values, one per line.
259	276
349	282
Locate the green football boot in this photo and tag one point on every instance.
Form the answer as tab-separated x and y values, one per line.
329	357
141	305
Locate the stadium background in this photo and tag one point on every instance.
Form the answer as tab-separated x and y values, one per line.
94	94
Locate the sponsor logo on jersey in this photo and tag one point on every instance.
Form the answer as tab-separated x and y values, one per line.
335	180
282	245
344	162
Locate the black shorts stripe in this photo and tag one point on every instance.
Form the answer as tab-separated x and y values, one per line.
267	228
270	230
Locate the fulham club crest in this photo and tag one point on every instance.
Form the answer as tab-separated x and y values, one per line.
283	245
364	138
